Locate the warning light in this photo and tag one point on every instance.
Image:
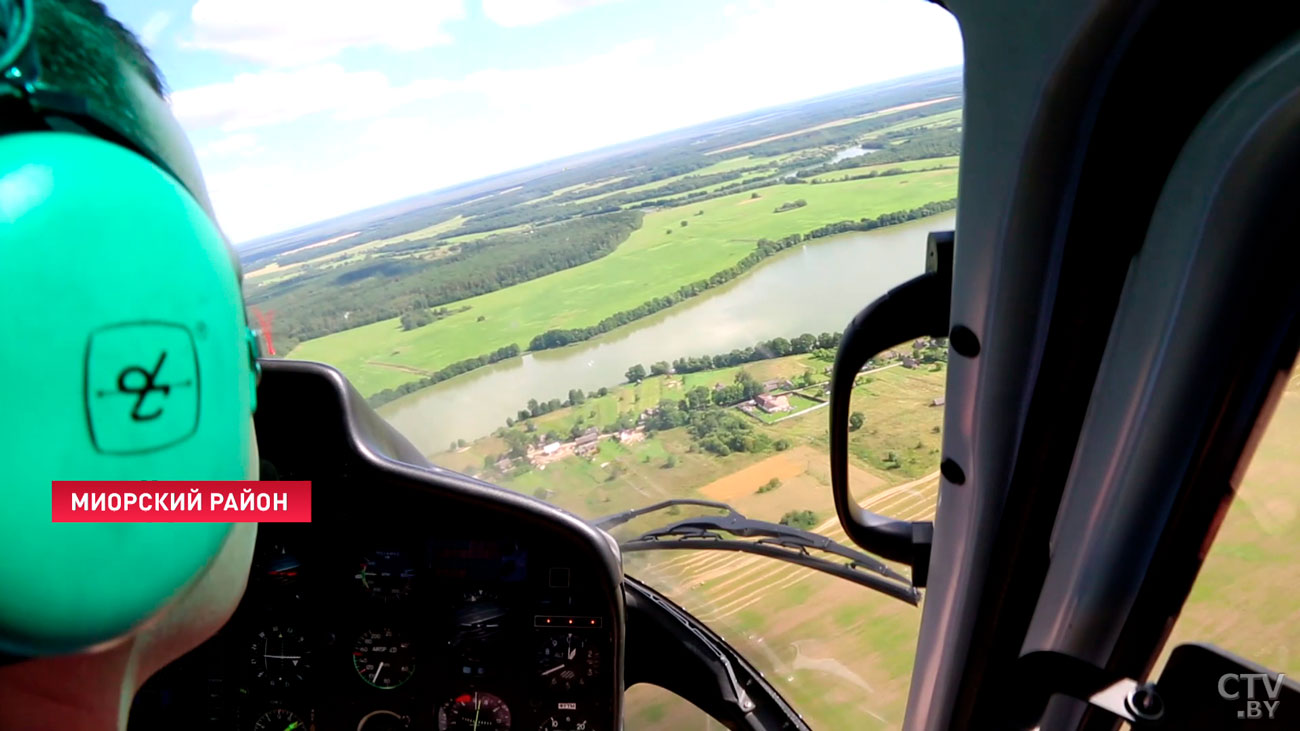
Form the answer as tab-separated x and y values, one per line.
570	621
548	620
593	621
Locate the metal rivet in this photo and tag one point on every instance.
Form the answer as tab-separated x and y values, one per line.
964	341
952	472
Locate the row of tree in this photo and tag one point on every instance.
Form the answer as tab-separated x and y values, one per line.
762	350
424	316
451	371
763	249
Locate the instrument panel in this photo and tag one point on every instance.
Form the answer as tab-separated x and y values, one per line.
415	599
382	632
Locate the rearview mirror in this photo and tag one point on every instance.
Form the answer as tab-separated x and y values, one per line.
917	308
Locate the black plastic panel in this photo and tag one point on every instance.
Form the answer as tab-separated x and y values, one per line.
484	586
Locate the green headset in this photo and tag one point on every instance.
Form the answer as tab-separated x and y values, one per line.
124	355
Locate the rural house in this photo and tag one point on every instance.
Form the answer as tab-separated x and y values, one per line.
772	404
587	442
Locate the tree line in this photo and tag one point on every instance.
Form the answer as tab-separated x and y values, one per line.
762	350
765	248
421	317
451	371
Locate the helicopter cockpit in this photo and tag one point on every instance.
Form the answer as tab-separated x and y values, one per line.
1094	343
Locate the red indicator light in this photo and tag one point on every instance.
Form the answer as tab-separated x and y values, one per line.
464	698
570	621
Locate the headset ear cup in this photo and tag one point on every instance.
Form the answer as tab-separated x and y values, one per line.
125	356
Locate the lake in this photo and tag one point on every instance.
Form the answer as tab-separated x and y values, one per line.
815	287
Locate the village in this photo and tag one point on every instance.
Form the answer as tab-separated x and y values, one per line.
780	399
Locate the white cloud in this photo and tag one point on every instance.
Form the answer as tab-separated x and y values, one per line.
515	13
275	97
436	132
152	29
296	32
243	143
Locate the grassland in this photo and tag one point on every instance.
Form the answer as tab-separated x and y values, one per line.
650	263
724	166
272	272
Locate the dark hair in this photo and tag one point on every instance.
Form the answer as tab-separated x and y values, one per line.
82	50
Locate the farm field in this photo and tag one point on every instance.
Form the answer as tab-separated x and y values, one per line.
652	262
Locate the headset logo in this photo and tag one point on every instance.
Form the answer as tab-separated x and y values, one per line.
1231	687
142	387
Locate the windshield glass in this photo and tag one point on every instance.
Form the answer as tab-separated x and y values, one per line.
601	253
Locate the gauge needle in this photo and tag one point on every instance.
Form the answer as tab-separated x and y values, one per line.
381	667
293	726
557	667
476	707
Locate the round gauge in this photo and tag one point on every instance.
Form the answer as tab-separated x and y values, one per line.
474	711
279	656
386	575
563	722
384	721
278	719
566	661
383	658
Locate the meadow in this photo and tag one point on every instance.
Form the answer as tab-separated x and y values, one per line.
652	262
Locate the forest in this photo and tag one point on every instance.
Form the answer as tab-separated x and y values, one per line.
384	288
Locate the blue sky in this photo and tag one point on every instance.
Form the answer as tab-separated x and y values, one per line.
301	110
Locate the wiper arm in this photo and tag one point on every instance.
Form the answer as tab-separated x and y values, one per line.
782	542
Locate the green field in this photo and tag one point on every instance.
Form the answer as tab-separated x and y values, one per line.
865	168
650	263
735	163
950	118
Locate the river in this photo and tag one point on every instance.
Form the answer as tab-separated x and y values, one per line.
815	287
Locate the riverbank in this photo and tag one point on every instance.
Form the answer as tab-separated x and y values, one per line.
651	263
816	287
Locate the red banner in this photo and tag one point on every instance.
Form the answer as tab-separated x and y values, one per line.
181	502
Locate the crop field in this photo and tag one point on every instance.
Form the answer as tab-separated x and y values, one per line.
652	262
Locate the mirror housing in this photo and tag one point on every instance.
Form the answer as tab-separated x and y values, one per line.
916	308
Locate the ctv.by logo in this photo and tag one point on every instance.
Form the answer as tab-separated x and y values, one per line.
1255	708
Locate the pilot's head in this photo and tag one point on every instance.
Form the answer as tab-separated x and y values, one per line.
114	283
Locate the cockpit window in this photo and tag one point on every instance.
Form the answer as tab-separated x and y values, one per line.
601	253
1243	598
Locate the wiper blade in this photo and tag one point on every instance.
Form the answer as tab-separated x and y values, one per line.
782	542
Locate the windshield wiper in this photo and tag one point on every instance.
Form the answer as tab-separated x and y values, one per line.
782	542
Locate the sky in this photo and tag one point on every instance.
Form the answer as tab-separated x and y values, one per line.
302	110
